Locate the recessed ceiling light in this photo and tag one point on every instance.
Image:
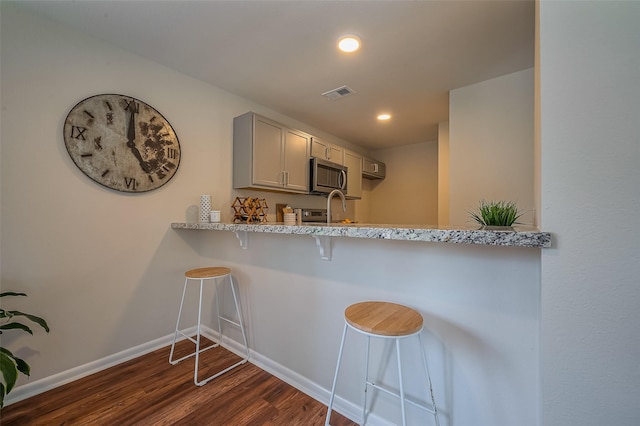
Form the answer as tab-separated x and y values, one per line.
349	43
383	117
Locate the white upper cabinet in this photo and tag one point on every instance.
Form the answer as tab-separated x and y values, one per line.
373	169
327	151
268	155
271	156
353	161
296	160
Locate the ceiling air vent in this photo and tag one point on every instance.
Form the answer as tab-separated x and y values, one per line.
338	93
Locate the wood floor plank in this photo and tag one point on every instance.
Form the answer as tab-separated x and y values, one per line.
149	391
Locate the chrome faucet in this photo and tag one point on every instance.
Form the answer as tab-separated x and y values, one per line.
329	197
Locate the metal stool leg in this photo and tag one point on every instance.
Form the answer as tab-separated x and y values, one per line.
366	382
404	416
239	312
220	335
195	370
426	369
177	331
335	378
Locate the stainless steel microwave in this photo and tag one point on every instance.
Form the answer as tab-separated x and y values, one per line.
327	176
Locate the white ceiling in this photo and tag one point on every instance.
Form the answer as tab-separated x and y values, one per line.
282	54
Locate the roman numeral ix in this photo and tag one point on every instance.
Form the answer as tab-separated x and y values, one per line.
78	132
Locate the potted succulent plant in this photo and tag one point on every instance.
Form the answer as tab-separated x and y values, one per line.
496	214
11	365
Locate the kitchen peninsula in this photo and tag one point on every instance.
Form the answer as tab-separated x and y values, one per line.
518	237
515	237
477	293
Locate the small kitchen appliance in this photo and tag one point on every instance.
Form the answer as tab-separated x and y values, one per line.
327	176
314	215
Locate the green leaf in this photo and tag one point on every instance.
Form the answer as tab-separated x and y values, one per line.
11	365
12	293
9	369
34	318
22	366
496	213
15	325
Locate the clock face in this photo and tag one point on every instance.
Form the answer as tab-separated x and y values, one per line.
122	143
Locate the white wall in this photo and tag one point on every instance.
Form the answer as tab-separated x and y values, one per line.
443	173
491	142
590	156
105	269
409	193
100	265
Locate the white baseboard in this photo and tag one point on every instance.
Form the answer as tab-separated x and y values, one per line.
303	384
39	386
294	379
351	411
315	391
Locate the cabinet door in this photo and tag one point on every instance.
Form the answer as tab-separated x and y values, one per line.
353	161
319	148
336	154
327	151
268	169
296	160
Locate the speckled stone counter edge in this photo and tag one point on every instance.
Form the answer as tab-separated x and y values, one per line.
516	237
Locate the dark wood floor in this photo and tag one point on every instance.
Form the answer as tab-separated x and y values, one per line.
150	391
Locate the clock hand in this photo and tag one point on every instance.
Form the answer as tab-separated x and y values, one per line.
131	136
137	154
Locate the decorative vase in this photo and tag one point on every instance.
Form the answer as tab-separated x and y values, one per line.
205	208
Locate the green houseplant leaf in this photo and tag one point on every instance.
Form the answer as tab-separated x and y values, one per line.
11	314
9	368
11	365
496	213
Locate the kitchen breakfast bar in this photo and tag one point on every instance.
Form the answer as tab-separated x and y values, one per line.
478	291
516	236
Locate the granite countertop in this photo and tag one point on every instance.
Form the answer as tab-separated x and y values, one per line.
519	236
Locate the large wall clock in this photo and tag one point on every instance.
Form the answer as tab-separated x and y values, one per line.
122	143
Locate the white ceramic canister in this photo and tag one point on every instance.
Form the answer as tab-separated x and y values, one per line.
205	208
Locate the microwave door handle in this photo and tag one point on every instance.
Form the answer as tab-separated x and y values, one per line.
342	180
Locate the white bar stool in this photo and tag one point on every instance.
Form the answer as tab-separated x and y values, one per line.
202	274
387	321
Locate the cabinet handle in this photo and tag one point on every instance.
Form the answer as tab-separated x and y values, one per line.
375	167
327	153
286	178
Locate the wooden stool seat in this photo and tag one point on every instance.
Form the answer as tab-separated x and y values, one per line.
210	272
384	318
